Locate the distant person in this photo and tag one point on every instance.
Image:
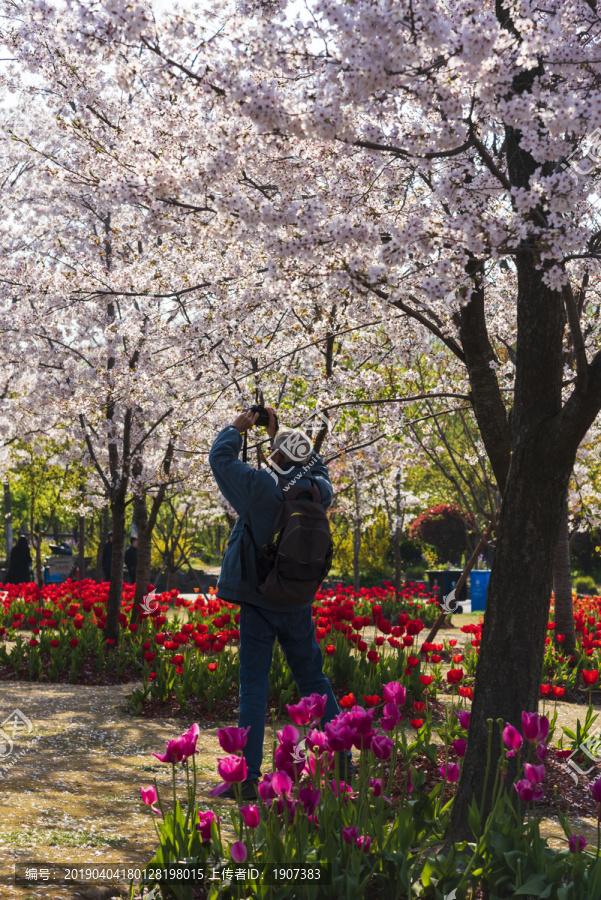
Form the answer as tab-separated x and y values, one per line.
107	557
20	563
131	559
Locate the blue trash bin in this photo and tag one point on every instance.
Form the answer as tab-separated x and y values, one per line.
479	588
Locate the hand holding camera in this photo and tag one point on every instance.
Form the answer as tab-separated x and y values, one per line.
264	416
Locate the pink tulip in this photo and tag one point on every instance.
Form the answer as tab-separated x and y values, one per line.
189	740
289	736
464	718
450	772
232	768
317	704
281	783
149	795
175	751
460	746
232	739
534	727
391	716
576	843
317	739
512	738
527	791
381	746
534	774
340	735
363	842
309	798
300	713
360	719
341	789
238	851
265	789
250	814
206	819
595	789
393	692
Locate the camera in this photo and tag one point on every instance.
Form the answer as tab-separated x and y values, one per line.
263	419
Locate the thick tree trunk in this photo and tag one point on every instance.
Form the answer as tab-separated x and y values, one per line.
562	586
508	672
111	629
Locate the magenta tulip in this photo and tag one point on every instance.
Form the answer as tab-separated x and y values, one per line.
340	735
300	713
541	750
175	751
460	746
206	819
264	788
576	843
595	789
350	834
450	772
189	740
281	783
512	738
289	736
250	814
238	851
232	739
232	768
527	791
309	798
317	703
149	795
534	727
360	719
390	717
381	746
464	718
393	692
534	774
317	739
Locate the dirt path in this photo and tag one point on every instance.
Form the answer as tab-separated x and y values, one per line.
72	792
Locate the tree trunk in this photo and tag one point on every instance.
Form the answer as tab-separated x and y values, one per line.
81	563
144	552
562	586
111	629
38	559
104	531
515	622
8	521
397	536
171	578
356	538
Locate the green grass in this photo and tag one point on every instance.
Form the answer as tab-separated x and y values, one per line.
58	838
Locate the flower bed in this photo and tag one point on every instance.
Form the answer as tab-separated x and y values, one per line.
379	835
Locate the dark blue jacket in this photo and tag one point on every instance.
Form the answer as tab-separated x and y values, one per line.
257	497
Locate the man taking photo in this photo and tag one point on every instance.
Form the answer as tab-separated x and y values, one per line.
258	496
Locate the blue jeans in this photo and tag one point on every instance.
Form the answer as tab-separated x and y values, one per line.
295	632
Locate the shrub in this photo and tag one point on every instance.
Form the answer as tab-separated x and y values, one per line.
444	527
585	585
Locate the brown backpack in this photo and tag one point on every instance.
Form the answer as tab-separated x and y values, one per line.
292	565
